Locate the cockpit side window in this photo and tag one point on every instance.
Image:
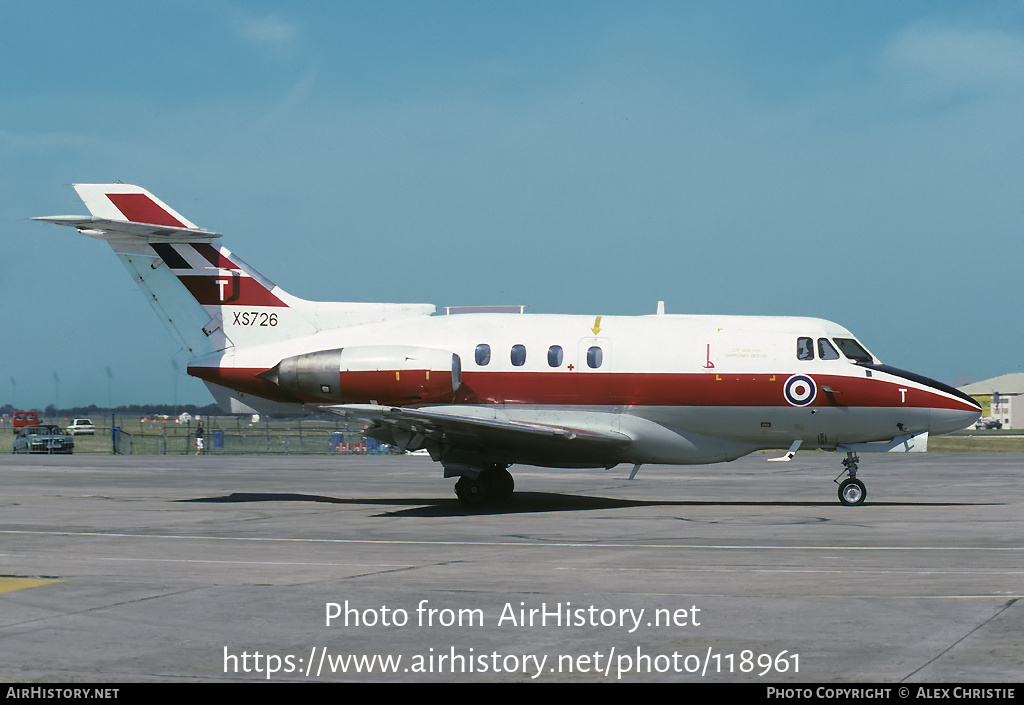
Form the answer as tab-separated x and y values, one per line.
852	349
804	348
826	351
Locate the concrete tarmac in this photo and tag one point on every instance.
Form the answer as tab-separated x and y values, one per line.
244	568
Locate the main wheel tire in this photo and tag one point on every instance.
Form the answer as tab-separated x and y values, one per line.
852	492
499	483
471	493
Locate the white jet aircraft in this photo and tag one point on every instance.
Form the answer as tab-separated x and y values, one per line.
481	391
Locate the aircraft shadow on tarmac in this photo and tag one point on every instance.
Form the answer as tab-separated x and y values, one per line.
531	502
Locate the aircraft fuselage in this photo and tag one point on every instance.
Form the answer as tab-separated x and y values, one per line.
687	389
482	391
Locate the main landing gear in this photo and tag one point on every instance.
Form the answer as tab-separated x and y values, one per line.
493	484
851	490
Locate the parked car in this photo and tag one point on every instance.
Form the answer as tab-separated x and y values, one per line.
81	427
45	438
21	419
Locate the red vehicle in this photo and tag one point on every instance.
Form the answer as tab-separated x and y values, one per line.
25	418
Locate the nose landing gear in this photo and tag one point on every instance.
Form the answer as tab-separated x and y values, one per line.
851	491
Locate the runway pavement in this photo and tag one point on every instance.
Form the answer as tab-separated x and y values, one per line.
244	568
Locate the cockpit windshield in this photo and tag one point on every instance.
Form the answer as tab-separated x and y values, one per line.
853	350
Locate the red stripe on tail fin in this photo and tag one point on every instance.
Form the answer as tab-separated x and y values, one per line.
140	208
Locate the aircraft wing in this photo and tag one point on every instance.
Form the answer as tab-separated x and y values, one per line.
454	435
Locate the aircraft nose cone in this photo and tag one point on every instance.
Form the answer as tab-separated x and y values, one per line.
949	420
952	414
949	409
952	410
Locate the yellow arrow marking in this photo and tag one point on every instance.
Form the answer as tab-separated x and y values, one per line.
597	325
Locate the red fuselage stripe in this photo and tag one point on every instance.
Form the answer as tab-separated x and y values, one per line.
626	388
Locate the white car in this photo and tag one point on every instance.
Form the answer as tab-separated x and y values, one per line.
81	427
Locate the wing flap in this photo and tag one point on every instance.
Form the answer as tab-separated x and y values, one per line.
451	433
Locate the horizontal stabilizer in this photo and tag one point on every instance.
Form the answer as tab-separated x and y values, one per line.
107	229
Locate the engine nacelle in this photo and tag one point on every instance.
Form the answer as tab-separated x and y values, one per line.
382	374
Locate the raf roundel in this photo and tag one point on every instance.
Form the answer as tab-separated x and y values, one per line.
800	390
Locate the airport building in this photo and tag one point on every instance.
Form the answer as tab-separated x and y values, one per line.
1001	398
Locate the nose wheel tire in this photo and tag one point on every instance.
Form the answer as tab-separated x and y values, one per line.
852	492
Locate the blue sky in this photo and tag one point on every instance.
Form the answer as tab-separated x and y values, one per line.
857	161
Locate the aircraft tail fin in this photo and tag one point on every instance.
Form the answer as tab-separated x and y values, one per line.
126	212
191	283
211	300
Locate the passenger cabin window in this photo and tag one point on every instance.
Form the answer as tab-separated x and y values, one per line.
595	356
483	354
852	349
555	356
826	351
804	349
518	355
